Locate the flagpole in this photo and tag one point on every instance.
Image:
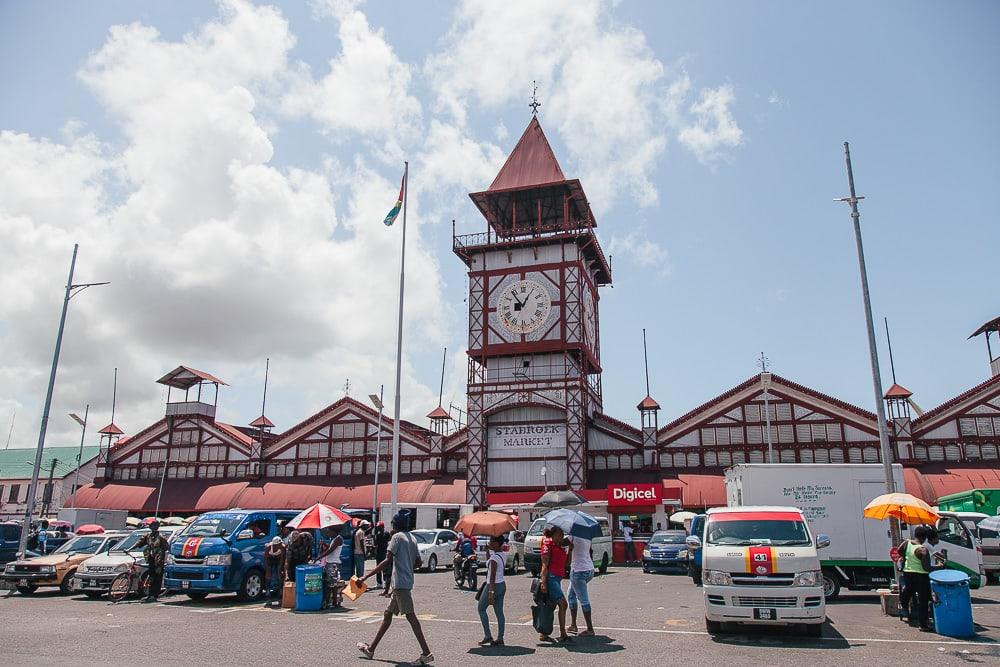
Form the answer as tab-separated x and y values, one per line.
394	497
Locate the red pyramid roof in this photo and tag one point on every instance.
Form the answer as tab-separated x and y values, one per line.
896	391
111	429
262	421
531	163
648	404
438	413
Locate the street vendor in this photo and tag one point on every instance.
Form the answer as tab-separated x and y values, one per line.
154	550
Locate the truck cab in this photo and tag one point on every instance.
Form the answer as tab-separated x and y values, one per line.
760	566
223	552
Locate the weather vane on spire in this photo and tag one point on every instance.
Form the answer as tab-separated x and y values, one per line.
534	99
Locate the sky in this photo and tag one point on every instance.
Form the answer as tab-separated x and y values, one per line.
226	166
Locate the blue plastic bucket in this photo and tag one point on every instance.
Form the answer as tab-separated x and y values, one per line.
308	588
952	603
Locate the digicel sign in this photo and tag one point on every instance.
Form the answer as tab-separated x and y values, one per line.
633	495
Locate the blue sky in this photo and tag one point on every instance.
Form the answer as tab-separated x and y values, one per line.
726	242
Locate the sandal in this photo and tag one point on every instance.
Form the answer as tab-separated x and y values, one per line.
566	639
572	629
365	650
586	633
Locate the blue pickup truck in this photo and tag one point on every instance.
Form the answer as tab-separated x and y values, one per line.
223	552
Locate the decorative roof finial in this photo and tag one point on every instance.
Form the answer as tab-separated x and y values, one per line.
534	98
763	362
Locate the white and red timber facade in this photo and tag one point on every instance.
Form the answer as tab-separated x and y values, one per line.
534	402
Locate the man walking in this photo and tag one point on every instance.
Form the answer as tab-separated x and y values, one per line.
380	538
629	545
155	552
359	551
404	557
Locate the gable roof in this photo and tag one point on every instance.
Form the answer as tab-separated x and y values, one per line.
185	377
933	413
531	163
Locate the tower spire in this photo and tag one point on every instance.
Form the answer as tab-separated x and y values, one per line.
534	98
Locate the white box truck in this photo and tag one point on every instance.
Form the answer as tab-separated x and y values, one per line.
832	497
80	516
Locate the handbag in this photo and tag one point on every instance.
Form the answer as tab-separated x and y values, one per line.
479	593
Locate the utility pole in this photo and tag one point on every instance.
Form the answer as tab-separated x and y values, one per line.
883	431
83	435
766	384
71	291
47	492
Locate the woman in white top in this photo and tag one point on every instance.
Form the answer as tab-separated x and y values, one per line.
493	593
581	572
330	560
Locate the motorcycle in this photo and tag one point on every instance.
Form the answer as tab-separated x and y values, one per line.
467	571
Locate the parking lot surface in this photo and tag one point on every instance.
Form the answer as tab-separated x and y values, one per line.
640	619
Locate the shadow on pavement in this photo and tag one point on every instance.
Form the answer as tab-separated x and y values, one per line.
781	637
501	651
594	645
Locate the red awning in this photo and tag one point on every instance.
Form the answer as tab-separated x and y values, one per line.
930	482
115	496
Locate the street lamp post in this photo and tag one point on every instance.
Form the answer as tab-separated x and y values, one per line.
71	291
377	401
79	456
883	431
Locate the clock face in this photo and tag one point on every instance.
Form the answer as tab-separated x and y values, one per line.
523	306
589	320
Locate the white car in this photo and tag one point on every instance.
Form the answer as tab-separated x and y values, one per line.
436	547
94	576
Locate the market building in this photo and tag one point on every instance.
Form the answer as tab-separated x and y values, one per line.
535	417
59	463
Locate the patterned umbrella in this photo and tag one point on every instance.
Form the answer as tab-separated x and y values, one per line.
319	516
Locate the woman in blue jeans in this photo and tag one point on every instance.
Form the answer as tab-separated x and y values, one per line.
553	572
493	594
581	558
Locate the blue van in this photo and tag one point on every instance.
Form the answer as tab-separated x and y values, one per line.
223	552
694	555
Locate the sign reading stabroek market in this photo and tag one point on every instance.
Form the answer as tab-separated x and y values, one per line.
526	438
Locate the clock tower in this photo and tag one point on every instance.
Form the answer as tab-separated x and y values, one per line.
534	376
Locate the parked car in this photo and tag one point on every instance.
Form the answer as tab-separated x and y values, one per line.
601	546
59	567
435	547
10	538
513	551
665	551
94	576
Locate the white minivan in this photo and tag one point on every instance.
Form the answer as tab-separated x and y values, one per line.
760	566
600	546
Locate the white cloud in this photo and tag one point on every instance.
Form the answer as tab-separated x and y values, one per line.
217	258
640	249
714	129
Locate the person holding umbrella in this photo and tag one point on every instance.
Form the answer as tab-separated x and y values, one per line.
495	525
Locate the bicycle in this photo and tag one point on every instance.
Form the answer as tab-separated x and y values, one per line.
122	585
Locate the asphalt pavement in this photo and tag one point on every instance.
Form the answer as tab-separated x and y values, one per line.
640	618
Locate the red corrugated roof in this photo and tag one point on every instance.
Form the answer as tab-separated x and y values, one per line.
438	413
947	405
262	421
531	163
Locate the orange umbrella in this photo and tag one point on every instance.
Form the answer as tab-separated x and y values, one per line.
486	523
908	509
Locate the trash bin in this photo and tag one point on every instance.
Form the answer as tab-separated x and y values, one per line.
308	587
952	603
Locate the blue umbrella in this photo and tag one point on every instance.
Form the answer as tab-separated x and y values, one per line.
574	522
990	523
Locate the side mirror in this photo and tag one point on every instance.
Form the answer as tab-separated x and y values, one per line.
693	542
822	541
244	535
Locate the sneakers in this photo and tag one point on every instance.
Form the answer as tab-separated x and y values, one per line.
424	660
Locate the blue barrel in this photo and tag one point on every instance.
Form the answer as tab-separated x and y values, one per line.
308	588
952	603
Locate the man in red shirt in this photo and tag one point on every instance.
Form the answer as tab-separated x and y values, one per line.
552	574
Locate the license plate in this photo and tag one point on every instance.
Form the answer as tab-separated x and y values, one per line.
185	584
22	582
765	614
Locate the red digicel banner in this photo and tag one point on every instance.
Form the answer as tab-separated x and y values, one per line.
634	495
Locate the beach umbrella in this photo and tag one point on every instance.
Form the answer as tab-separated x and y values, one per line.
561	498
486	523
682	516
132	522
574	522
908	509
319	516
90	529
990	523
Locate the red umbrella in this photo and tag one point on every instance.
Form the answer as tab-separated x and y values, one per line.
90	529
319	516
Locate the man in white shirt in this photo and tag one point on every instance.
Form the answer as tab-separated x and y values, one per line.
581	572
629	546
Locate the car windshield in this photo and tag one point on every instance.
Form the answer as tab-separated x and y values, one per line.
214	525
423	536
667	538
747	532
87	544
537	528
128	544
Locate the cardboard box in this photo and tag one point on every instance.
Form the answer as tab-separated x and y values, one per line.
288	595
889	601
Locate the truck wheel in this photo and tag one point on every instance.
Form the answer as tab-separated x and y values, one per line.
66	586
831	586
197	596
713	627
252	586
603	568
813	630
27	590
